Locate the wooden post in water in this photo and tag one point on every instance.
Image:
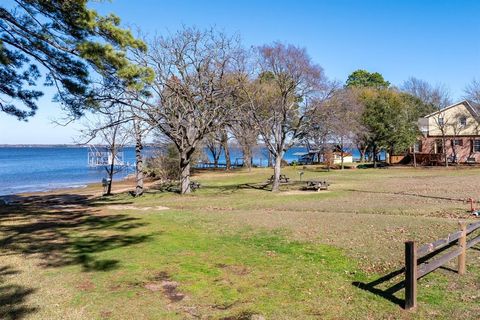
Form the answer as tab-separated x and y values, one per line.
410	275
462	244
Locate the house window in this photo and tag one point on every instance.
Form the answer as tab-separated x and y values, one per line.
463	121
417	146
476	146
458	142
441	122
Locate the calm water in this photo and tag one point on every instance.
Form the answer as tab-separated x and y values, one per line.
26	169
29	169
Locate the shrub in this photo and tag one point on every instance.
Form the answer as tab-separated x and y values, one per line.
164	164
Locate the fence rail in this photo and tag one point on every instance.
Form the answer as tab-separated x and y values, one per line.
419	262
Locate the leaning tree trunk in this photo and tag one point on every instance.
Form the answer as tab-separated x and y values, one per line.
185	173
374	151
276	173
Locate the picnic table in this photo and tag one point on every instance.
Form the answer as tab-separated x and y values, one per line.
283	178
316	185
194	185
471	160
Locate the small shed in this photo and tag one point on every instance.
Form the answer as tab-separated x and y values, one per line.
337	157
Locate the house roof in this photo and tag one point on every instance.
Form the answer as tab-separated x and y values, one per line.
472	108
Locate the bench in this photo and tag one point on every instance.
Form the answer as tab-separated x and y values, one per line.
316	185
283	179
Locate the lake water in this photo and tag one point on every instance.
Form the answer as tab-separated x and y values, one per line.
29	169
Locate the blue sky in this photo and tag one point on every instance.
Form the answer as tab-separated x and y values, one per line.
437	41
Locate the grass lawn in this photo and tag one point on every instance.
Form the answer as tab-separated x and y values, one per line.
234	250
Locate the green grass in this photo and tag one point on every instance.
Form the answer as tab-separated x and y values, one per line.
234	251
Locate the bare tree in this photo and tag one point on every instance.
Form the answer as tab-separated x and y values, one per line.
436	96
246	133
345	114
213	144
226	149
191	93
442	123
286	81
110	128
472	91
140	130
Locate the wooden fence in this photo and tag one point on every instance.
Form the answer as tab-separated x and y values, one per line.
420	261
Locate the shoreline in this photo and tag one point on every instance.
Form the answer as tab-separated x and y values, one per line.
94	189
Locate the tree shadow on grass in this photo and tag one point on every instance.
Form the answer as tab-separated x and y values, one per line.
403	193
221	189
231	188
59	230
13	296
63	230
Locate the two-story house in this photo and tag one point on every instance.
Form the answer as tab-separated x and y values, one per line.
451	134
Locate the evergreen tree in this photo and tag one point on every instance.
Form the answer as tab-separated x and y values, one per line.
65	44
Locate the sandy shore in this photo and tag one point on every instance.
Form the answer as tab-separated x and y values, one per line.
91	190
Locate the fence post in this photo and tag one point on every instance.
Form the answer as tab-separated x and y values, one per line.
462	244
410	275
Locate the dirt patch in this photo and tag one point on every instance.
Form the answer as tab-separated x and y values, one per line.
127	207
215	208
163	283
235	269
86	285
245	315
106	314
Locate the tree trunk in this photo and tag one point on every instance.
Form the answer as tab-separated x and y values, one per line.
185	173
454	151
138	160
444	142
247	157
276	173
362	150
341	154
139	168
374	151
226	150
215	152
414	156
110	175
